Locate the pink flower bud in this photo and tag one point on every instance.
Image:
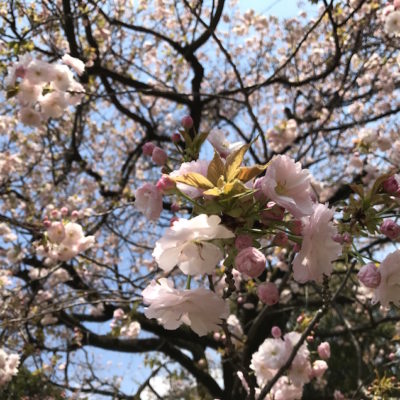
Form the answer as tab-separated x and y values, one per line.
187	122
276	332
55	214
119	313
175	207
338	238
324	350
390	185
347	237
369	276
300	319
243	241
275	213
297	227
250	262
268	293
148	148
310	338
281	239
396	4
176	138
390	229
296	247
259	195
64	211
75	215
173	220
165	183
217	336
159	156
46	223
318	368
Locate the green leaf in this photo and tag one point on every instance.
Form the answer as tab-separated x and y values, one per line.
213	192
199	140
194	179
215	169
233	163
248	173
234	188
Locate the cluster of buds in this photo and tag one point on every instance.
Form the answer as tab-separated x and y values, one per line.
44	90
158	155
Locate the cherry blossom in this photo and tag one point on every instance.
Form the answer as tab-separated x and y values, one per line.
199	308
186	244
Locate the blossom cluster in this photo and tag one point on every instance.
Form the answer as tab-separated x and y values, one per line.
391	16
64	239
8	366
202	245
44	90
273	354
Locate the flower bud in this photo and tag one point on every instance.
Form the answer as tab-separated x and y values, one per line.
259	195
148	148
390	229
176	138
338	238
118	313
175	207
173	220
281	239
390	185
64	211
324	350
276	332
318	368
243	241
369	276
297	227
75	215
159	156
187	122
347	237
250	262
274	213
268	293
165	183
396	4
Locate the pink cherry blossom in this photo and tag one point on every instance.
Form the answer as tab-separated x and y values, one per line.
75	63
186	245
318	249
199	308
148	200
288	185
388	289
218	140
